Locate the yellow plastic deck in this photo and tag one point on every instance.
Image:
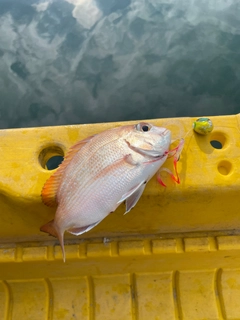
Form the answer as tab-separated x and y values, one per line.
176	255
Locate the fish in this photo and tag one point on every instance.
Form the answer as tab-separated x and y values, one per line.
101	172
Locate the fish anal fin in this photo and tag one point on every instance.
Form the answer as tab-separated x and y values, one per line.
81	230
49	191
53	231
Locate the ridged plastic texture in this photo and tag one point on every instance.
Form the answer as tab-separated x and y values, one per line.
176	255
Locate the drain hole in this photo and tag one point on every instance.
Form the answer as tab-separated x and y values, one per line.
51	157
216	144
218	140
54	162
224	167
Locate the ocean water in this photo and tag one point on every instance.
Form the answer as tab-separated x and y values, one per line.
85	61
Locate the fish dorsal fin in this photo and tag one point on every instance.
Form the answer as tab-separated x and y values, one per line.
75	148
50	187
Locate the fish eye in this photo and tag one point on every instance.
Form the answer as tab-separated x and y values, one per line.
143	127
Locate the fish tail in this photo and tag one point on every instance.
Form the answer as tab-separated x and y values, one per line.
54	231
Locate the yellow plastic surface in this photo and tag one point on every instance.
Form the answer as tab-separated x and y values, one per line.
176	255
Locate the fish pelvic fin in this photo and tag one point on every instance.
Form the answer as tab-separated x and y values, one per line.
132	200
52	229
50	188
131	192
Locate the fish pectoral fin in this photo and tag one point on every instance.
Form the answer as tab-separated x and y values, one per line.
145	152
81	230
130	192
129	159
133	199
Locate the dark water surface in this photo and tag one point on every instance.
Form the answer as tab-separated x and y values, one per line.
81	61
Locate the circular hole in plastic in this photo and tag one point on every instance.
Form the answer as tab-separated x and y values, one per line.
224	167
51	157
216	144
217	140
54	162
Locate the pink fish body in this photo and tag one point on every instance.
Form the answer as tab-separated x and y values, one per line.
101	172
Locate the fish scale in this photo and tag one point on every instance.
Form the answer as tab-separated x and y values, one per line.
87	178
106	184
84	192
101	172
84	163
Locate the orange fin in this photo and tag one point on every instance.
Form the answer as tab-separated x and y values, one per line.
49	190
50	187
53	231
